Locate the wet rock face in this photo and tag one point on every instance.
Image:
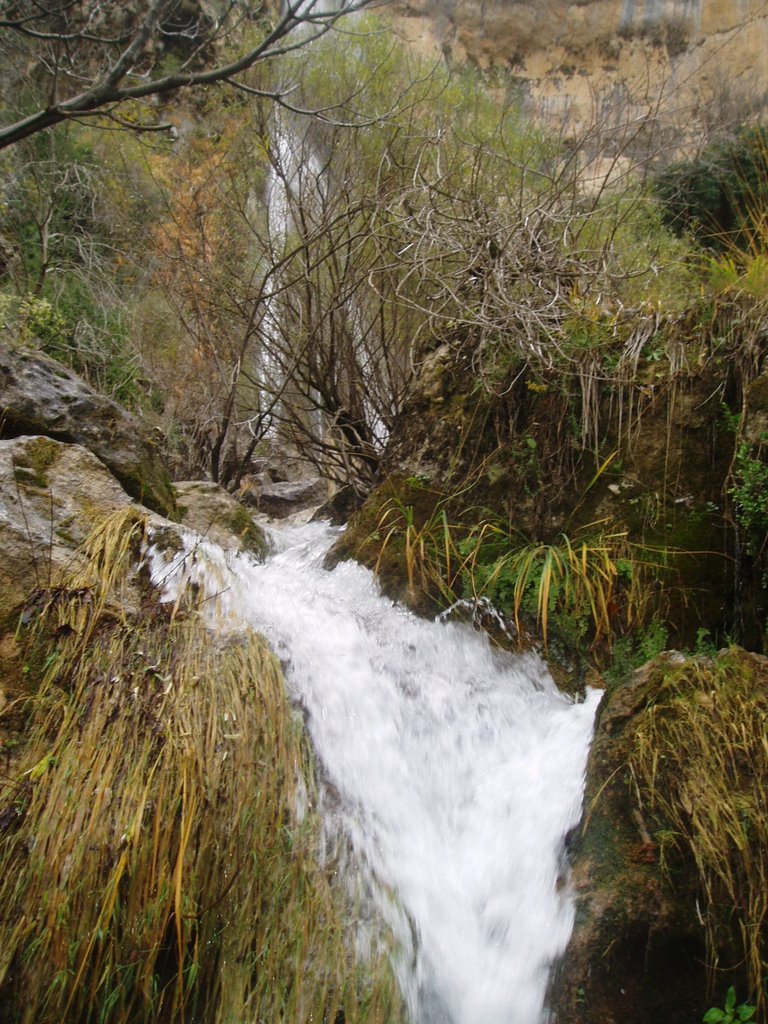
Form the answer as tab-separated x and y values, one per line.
40	396
645	904
212	512
50	495
340	506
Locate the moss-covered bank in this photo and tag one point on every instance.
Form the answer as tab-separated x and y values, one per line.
159	847
651	461
671	858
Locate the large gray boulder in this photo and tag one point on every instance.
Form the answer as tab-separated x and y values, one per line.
40	396
51	496
285	498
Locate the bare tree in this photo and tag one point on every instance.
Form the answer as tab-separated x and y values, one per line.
285	336
335	351
87	59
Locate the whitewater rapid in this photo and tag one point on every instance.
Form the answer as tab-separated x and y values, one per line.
456	771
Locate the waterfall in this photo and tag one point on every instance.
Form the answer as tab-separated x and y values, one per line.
455	770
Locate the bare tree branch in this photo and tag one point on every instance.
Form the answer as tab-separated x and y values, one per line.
300	23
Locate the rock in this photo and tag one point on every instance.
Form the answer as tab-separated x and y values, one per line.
756	403
212	512
40	396
50	495
638	949
621	906
340	507
284	499
386	509
581	63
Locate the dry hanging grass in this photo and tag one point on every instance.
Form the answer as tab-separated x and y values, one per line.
154	865
701	764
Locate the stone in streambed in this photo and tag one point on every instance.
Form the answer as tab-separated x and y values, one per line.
283	499
212	512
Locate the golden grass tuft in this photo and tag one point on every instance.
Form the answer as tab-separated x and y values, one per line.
701	765
153	865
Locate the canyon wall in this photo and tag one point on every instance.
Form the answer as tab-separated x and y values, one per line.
699	63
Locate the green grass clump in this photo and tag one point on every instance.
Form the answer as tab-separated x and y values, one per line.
154	864
595	576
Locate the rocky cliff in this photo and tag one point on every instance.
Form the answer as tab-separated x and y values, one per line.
698	62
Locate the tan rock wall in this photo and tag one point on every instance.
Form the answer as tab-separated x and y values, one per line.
698	62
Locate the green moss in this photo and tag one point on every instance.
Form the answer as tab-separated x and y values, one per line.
251	537
369	541
31	464
167	540
66	537
149	484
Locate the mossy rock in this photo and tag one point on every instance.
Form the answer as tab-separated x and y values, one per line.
39	396
51	494
375	537
33	462
640	947
658	471
209	510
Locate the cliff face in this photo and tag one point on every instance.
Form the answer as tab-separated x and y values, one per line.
698	62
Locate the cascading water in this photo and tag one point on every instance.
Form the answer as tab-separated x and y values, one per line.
455	771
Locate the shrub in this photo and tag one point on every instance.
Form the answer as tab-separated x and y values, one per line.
720	195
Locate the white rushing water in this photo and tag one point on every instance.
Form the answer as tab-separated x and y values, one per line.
456	771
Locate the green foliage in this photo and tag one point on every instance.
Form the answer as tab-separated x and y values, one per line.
738	273
429	549
423	111
705	645
71	328
750	496
719	195
731	419
731	1013
74	213
39	321
594	584
590	585
52	203
639	646
649	267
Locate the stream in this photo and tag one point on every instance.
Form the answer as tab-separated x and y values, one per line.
455	771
